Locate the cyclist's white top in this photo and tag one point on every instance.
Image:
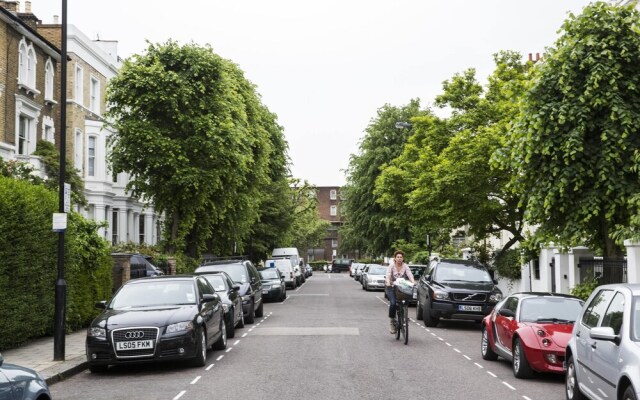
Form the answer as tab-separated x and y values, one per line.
393	273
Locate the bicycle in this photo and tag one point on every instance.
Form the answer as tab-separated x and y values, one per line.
402	312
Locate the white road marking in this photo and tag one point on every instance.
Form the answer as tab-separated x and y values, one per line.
245	335
219	357
479	366
193	382
209	367
492	374
180	395
236	343
526	398
456	350
440	339
448	344
228	350
507	385
467	357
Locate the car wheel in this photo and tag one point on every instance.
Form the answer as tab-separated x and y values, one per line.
485	346
629	393
572	390
98	369
429	320
260	310
250	319
201	349
231	328
363	286
221	343
419	315
283	297
521	367
241	321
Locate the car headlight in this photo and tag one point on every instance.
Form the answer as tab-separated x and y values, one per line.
180	326
440	295
495	297
97	332
226	307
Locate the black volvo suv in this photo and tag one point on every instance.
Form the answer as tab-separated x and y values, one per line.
455	289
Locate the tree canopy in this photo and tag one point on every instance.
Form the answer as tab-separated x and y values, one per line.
574	148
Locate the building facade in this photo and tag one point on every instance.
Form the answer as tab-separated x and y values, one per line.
30	111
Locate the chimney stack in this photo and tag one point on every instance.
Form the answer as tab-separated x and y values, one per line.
537	56
55	20
531	57
27	7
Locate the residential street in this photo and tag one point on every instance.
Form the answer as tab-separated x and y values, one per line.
328	340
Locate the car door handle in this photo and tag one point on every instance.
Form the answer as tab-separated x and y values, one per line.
578	334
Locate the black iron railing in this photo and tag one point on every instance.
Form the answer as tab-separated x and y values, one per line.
605	270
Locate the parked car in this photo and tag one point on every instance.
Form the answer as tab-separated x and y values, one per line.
22	383
246	275
531	330
340	264
354	269
603	354
161	318
140	266
231	300
358	271
285	267
374	278
455	289
363	275
308	270
273	286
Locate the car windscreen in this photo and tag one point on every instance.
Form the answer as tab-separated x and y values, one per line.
377	270
271	273
154	293
217	282
550	309
236	272
462	273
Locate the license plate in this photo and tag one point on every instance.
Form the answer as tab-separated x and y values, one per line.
134	345
469	308
265	292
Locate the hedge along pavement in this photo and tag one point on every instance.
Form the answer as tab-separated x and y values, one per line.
29	259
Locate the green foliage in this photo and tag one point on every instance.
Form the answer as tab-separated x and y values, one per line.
574	148
583	290
211	148
50	156
360	206
421	257
508	264
29	264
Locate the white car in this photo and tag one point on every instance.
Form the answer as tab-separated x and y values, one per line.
374	279
603	355
285	267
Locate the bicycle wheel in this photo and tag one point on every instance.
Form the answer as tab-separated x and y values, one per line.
406	323
399	320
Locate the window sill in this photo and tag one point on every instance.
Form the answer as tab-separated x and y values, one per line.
28	89
50	101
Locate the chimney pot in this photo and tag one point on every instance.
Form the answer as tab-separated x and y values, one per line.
537	56
27	7
55	19
530	56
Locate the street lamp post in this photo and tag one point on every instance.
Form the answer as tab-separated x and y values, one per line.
61	284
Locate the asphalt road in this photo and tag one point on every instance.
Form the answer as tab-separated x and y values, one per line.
328	340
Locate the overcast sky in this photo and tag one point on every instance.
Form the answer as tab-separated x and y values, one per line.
325	67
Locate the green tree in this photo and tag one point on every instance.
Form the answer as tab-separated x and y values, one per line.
365	217
575	149
197	142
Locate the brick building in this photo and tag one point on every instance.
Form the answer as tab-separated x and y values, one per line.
329	209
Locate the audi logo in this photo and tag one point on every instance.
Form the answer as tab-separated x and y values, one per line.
134	335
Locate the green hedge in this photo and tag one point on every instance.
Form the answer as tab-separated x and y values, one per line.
28	271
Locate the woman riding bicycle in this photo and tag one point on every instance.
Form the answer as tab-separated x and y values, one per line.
397	269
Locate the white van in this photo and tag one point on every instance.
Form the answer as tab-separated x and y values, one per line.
291	253
285	267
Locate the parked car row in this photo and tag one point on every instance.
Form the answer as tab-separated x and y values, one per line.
180	317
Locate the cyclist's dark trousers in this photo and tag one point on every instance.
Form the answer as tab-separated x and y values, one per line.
391	294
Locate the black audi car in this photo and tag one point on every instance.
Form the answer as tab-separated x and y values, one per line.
174	317
231	300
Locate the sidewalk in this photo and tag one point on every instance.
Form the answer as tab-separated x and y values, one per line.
38	355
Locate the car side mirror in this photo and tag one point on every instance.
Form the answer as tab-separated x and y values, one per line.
507	313
495	281
604	333
101	304
236	288
209	297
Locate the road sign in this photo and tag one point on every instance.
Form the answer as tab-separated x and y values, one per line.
67	197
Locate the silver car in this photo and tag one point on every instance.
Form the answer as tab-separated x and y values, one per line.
374	279
21	383
603	354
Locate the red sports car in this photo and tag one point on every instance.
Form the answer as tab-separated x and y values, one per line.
531	330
